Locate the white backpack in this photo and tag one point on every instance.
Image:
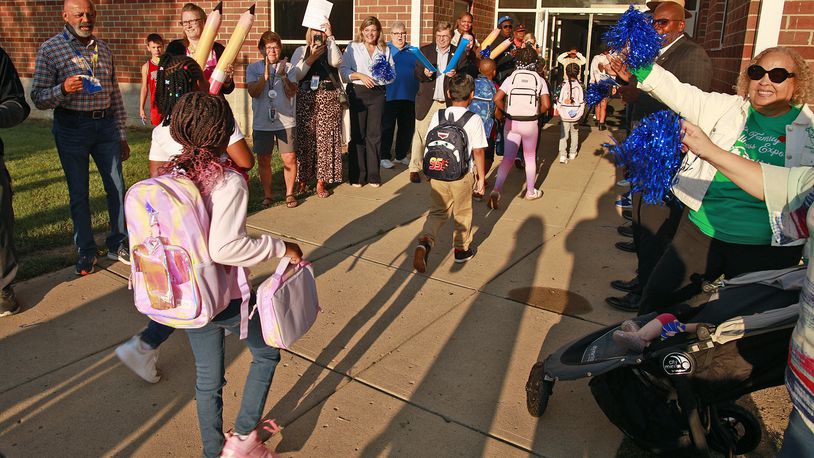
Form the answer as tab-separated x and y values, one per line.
571	112
523	99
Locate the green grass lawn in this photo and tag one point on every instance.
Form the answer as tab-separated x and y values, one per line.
43	228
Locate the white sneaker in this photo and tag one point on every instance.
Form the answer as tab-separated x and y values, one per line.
563	159
623	183
386	164
572	156
139	358
405	161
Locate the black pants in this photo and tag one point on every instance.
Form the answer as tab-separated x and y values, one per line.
693	257
8	256
401	112
654	227
366	108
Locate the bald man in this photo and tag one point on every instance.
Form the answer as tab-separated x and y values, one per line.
655	225
75	76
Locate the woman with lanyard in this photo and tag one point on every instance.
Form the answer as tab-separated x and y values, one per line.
368	66
192	21
729	232
272	92
319	112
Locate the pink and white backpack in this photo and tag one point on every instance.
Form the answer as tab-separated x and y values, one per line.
173	278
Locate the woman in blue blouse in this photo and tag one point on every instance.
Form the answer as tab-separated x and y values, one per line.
366	98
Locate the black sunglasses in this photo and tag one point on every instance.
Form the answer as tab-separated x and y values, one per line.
776	75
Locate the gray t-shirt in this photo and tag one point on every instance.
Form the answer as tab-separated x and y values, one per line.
283	106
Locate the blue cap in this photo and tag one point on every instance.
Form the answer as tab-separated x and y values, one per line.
504	19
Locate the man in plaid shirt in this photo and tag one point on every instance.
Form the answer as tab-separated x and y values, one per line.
75	76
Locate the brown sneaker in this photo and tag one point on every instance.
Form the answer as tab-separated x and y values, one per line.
422	252
415	177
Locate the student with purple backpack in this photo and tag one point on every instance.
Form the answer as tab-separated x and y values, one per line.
177	75
225	193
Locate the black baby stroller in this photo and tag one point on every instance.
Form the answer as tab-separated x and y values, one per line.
681	392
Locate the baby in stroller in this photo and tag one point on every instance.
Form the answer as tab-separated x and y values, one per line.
663	326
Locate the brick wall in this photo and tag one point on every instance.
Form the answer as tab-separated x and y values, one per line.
797	27
387	11
123	26
732	53
729	49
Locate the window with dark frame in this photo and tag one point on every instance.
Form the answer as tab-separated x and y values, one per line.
288	19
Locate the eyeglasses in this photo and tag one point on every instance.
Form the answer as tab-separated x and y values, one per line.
776	75
189	22
663	22
399	33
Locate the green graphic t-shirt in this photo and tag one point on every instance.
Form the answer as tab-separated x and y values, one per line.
727	212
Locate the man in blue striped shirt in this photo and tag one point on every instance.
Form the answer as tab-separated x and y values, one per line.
75	76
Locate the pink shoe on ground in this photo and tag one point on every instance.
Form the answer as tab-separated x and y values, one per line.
250	447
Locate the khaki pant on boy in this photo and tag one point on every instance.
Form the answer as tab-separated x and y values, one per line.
455	197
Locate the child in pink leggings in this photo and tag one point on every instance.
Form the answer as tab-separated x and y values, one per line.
521	98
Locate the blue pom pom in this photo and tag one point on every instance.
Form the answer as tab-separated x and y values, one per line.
652	155
484	54
635	35
596	92
382	70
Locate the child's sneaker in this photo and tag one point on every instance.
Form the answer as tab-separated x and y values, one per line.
139	358
422	252
248	447
563	159
462	256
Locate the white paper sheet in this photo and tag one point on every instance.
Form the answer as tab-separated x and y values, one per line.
315	13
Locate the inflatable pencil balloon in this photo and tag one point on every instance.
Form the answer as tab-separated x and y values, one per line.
500	48
244	24
490	38
210	31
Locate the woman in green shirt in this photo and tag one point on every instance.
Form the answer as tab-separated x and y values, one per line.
727	231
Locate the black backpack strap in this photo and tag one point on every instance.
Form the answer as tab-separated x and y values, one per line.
464	119
441	117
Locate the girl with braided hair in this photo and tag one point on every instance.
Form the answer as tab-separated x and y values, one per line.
176	76
523	83
225	193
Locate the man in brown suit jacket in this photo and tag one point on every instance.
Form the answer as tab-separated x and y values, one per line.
431	94
655	225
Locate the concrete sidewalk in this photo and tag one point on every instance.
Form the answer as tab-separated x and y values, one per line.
399	363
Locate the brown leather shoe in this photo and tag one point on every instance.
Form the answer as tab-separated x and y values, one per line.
415	177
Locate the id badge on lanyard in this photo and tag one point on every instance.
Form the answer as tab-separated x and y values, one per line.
90	83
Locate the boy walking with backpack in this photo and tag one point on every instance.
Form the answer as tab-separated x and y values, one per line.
483	104
453	149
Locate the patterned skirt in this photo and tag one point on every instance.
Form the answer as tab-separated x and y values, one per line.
319	136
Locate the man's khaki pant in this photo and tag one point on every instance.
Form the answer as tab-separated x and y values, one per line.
421	128
451	197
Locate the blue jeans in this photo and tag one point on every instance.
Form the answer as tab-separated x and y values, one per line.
77	139
207	346
155	334
798	438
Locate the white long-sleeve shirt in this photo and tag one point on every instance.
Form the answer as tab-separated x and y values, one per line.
357	59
